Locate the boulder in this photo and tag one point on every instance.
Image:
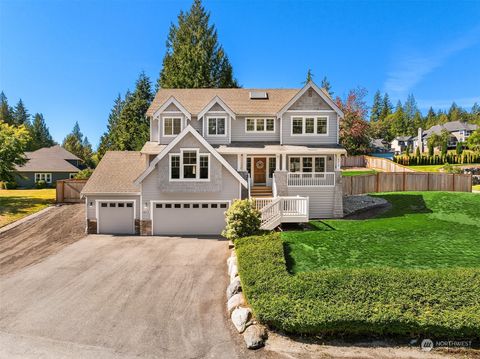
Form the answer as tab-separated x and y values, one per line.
234	302
254	336
240	317
234	288
233	272
231	262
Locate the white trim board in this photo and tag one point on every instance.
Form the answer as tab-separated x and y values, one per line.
216	100
176	103
176	140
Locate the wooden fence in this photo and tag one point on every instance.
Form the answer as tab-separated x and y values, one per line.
406	181
353	161
68	191
378	163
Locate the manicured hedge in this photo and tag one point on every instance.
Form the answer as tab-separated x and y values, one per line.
435	303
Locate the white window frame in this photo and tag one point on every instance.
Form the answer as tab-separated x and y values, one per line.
256	119
171	118
224	118
71	175
316	118
43	176
313	163
197	170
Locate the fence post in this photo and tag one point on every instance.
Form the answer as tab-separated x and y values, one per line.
453	183
378	182
404	181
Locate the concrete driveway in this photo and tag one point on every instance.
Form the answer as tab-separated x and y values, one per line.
121	297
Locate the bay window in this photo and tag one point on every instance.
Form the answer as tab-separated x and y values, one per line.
216	126
309	125
190	165
260	125
172	126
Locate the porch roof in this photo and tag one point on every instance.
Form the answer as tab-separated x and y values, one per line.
273	149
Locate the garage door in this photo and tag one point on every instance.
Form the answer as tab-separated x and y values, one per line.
116	217
189	218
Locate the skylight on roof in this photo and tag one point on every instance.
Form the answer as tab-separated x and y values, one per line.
258	95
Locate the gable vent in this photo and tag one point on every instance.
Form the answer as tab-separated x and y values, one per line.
258	95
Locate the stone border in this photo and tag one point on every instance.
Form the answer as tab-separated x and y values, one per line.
26	219
238	310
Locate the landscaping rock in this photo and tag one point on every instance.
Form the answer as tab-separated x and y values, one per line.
234	288
240	317
234	302
233	272
254	336
231	262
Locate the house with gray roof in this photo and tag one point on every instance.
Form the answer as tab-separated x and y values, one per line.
48	164
210	147
459	132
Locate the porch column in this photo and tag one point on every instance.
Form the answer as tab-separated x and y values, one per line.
239	162
277	162
244	161
284	162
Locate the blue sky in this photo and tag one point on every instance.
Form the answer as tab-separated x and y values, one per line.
70	59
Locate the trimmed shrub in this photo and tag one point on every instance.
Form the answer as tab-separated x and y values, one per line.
9	185
84	174
437	303
40	184
243	219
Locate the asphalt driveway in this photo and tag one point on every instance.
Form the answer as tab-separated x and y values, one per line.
120	297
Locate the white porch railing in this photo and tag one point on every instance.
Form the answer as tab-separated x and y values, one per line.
249	183
311	179
260	203
284	210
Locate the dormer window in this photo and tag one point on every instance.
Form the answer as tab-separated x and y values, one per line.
216	126
172	126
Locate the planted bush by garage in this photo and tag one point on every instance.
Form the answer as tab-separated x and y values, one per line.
442	303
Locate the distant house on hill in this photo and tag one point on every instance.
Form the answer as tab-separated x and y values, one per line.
459	132
400	143
48	164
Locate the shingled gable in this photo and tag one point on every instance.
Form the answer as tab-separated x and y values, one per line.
171	145
173	100
216	100
320	92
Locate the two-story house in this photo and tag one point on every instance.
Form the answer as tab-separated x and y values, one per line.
209	147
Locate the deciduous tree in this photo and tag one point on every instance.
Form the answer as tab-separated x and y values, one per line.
13	142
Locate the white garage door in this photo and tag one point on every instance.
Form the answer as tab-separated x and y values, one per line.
116	217
188	218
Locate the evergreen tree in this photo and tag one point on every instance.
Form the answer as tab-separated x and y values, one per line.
39	133
327	86
386	107
475	109
410	110
418	122
456	113
6	112
133	126
20	114
194	58
376	111
75	143
431	119
397	121
109	140
309	77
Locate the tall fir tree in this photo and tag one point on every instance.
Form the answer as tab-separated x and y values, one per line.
397	121
376	110
75	143
20	114
410	109
194	57
309	76
133	125
109	140
386	107
39	133
6	111
431	119
327	86
475	109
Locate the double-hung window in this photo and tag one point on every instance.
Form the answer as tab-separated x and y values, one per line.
260	125
216	126
308	164
172	126
309	125
190	165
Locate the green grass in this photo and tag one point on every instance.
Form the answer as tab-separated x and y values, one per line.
476	187
16	204
433	168
422	230
348	173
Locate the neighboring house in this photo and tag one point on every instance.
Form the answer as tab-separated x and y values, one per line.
209	147
379	145
400	144
459	132
48	164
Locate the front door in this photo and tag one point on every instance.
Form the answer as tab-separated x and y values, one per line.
259	170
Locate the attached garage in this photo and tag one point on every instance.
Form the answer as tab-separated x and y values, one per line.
116	217
188	217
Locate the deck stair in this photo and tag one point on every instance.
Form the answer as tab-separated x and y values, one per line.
277	210
261	192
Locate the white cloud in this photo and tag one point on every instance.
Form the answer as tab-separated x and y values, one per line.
465	102
412	68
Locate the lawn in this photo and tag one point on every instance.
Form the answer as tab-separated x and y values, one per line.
434	168
412	272
348	173
476	187
422	230
16	204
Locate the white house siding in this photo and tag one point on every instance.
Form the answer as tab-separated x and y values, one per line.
329	139
91	206
321	200
239	134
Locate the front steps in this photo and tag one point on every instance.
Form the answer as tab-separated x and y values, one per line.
261	192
